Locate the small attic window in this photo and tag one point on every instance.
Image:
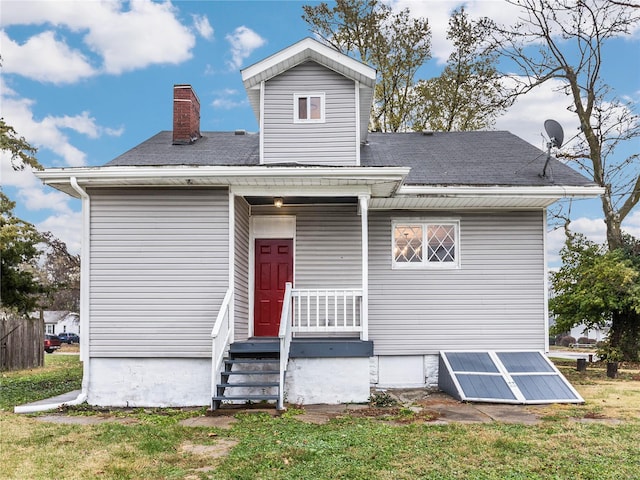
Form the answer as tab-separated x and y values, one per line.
308	107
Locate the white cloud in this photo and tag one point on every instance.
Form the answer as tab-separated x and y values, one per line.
83	124
44	58
227	99
592	228
48	133
202	26
149	33
228	103
527	115
21	179
438	13
243	42
66	227
631	224
145	34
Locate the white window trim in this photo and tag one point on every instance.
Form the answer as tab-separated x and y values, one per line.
424	264
296	96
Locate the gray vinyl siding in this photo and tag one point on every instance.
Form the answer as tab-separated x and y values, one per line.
330	143
494	301
159	271
328	248
327	245
241	280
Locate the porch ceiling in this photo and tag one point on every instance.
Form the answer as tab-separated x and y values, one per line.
299	200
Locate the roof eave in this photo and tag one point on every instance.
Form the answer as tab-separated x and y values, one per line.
378	180
560	191
482	197
308	49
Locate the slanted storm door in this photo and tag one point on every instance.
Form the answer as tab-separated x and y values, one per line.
273	269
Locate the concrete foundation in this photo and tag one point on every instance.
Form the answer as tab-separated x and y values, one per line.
149	382
327	380
404	371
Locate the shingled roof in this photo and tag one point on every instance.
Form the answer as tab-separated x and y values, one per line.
439	158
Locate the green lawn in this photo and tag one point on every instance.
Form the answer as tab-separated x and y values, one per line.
61	374
151	444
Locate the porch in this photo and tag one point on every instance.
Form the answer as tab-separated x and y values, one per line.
324	325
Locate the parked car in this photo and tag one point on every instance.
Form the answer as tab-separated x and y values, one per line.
68	337
51	343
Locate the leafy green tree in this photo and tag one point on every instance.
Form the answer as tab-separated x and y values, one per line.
596	286
22	154
468	95
394	43
19	240
19	251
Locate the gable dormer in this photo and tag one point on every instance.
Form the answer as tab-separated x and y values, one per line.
312	103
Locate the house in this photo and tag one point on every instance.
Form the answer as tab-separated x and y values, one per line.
310	261
59	321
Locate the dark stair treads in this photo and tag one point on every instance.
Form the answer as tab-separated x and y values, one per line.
254	365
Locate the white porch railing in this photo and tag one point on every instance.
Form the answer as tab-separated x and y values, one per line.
327	311
285	336
221	338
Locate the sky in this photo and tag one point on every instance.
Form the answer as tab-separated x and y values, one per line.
86	80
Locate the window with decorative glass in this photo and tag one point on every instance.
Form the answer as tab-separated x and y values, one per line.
308	107
420	244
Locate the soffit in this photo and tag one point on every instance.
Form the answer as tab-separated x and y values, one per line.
246	181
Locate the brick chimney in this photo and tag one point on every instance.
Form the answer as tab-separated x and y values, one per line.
186	115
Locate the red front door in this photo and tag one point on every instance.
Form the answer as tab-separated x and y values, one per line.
274	267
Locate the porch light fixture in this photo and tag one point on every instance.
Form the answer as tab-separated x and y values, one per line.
278	202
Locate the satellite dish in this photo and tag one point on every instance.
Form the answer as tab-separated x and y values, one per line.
555	133
556	137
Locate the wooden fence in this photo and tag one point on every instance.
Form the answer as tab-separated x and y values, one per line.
21	342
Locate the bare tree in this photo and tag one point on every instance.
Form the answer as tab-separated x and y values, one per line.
59	271
565	40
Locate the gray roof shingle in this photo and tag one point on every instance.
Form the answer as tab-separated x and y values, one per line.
441	158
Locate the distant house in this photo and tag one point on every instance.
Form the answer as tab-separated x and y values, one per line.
59	321
310	261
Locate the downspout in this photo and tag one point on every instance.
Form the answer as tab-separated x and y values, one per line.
84	312
546	281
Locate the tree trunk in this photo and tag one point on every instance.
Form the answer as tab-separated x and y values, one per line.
612	220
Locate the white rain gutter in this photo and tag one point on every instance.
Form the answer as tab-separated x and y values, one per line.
84	312
107	174
524	191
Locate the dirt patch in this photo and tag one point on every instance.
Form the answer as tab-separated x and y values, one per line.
437	399
221	448
402	415
209	452
220	421
86	419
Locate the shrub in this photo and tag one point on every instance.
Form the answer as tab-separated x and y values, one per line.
382	399
566	341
